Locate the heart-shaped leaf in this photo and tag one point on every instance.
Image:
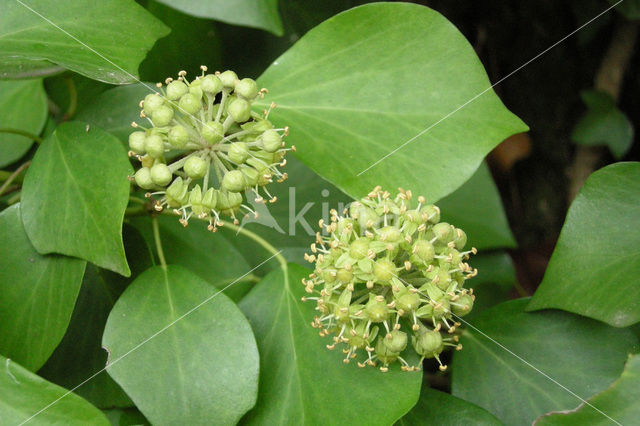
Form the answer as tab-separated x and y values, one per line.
105	41
24	394
594	267
180	365
301	382
251	13
439	408
580	354
37	294
75	194
619	403
357	88
23	106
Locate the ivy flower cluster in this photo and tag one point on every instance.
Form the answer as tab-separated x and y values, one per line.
389	276
205	147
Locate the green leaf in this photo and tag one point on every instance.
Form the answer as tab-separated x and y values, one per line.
363	83
24	394
603	124
301	382
439	408
494	282
594	268
180	50
75	194
476	208
210	256
115	109
619	402
23	106
80	355
125	417
37	294
583	355
261	14
19	68
200	368
60	92
104	41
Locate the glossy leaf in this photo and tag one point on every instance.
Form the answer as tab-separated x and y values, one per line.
74	196
438	408
202	368
619	403
301	382
24	394
115	109
80	354
105	41
180	50
594	267
19	68
603	124
363	83
583	355
37	294
250	13
23	106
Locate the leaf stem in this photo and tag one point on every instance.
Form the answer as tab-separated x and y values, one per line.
13	176
21	133
156	238
73	99
261	241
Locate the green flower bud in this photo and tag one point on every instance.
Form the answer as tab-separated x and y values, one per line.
344	276
176	89
154	146
428	343
195	199
162	116
228	79
161	174
384	270
211	84
238	152
376	309
136	142
210	198
385	355
359	248
443	232
195	167
432	213
234	181
397	343
143	178
247	88
463	305
228	202
271	140
240	110
152	102
259	126
407	301
177	193
460	239
195	90
189	104
424	251
178	136
251	175
390	234
212	132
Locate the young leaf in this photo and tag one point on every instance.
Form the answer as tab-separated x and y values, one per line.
439	408
619	402
301	382
74	196
193	369
104	41
583	355
250	13
356	88
24	394
37	294
594	267
23	106
603	124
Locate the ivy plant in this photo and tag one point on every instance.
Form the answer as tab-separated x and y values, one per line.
320	241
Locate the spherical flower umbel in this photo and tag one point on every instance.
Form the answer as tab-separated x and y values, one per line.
389	278
205	146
